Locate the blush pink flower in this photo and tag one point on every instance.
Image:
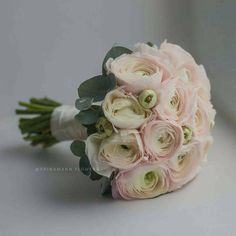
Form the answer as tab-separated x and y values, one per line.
197	78
177	101
183	65
185	165
147	180
204	116
139	70
162	139
174	56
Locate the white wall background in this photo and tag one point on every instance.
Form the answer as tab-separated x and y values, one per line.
214	35
49	47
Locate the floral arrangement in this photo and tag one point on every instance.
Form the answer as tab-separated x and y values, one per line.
143	127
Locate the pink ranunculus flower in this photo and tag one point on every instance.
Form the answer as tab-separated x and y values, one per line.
122	150
162	139
206	143
184	66
177	101
196	76
204	116
147	180
145	49
174	56
185	165
139	70
123	110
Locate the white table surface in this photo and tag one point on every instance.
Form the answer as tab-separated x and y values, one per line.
37	202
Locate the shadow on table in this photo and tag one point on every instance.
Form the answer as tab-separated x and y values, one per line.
56	174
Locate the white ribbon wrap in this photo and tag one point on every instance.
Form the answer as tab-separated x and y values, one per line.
64	126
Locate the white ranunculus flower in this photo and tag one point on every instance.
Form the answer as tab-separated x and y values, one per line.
148	180
93	144
121	150
123	110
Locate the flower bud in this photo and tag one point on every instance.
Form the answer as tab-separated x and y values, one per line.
147	98
104	127
187	134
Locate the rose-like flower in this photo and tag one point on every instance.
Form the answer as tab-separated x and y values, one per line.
92	147
177	101
203	118
146	49
147	98
184	66
185	165
174	55
123	110
195	75
138	71
162	139
121	150
206	143
147	180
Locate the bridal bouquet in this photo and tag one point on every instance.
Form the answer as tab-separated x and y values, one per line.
143	127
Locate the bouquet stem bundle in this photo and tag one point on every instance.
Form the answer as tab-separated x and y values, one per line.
35	121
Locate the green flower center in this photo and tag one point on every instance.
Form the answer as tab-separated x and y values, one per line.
149	177
181	159
124	147
187	134
148	99
142	73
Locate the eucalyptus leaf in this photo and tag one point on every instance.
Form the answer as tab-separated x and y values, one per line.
94	175
105	186
97	87
88	117
150	44
78	148
91	129
84	165
114	52
83	103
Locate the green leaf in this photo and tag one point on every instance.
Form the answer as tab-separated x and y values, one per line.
88	117
150	44
105	186
83	103
78	148
97	87
84	165
91	129
94	175
114	52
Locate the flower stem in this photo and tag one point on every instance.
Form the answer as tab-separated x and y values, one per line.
35	123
